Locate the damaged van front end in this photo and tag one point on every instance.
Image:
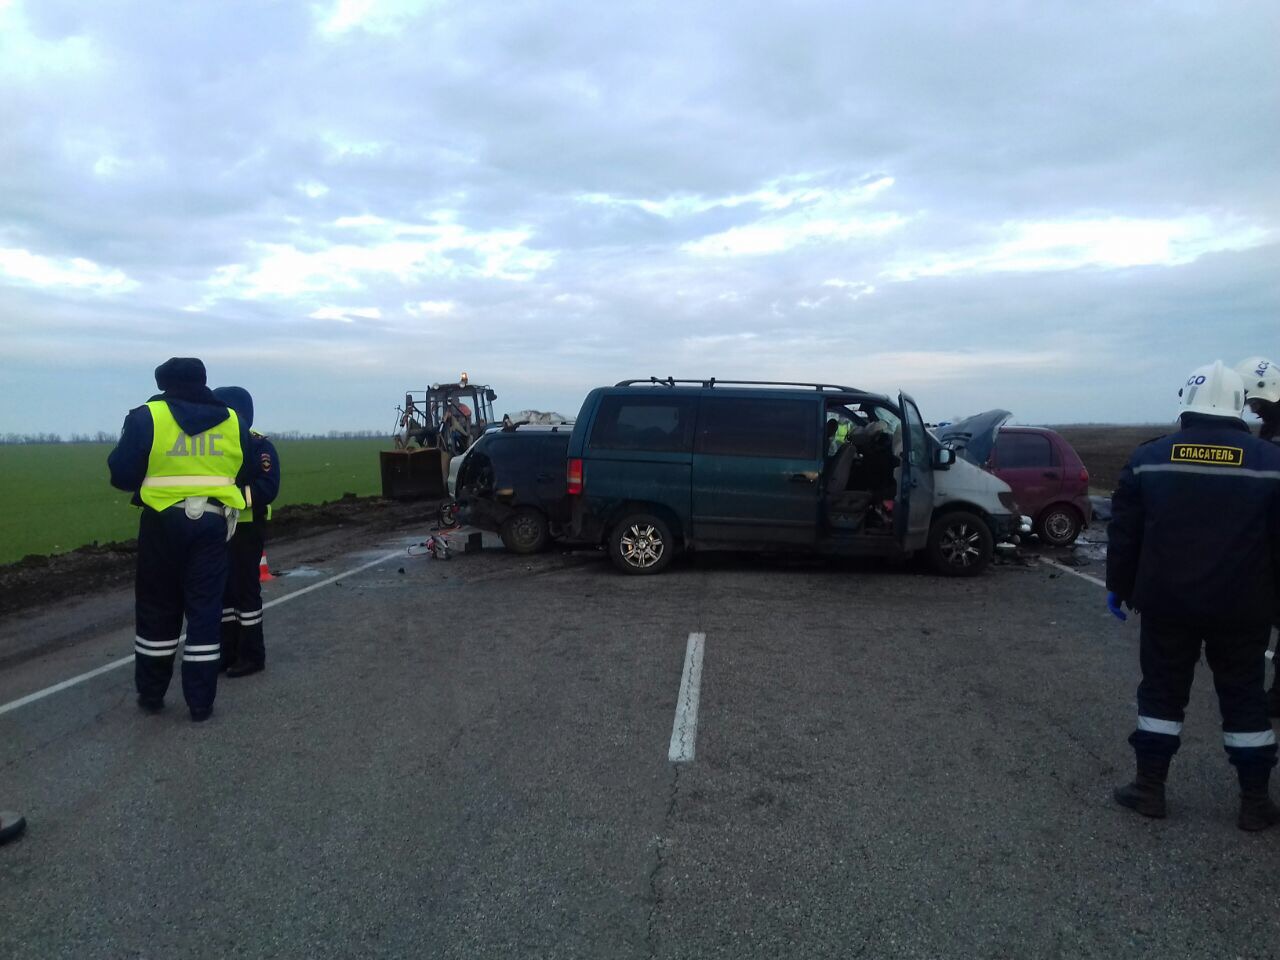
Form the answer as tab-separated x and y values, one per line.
968	482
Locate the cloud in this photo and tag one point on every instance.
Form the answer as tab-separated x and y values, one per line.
1108	243
346	314
73	273
382	252
565	194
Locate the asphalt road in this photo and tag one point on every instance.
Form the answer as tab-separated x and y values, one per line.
470	759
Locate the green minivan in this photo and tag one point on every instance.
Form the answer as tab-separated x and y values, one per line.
659	466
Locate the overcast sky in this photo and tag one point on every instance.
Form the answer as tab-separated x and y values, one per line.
1055	208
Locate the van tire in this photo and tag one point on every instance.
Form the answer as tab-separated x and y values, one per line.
1059	525
635	540
525	531
960	544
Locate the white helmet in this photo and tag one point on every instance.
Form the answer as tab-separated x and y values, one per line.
1214	390
1261	379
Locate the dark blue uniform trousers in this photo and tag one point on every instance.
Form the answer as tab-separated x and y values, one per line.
242	601
1237	657
182	570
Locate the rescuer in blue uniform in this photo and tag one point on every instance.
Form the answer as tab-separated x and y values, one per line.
1262	393
182	456
243	649
1194	546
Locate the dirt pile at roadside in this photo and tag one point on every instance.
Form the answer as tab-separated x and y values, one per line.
37	580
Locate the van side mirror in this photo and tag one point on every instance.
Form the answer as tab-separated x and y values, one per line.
944	458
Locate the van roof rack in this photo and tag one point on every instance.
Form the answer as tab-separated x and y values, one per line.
713	382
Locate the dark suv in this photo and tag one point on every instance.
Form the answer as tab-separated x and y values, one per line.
512	482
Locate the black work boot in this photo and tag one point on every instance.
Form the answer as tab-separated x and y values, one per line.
1257	810
1146	793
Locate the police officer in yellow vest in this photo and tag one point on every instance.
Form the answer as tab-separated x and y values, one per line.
181	455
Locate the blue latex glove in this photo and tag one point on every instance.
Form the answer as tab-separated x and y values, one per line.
1114	604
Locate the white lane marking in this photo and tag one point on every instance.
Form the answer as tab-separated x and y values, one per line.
684	731
1074	572
81	678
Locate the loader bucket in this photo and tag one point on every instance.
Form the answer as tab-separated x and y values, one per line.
414	474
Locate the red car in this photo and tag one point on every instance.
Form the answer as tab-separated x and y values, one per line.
1049	480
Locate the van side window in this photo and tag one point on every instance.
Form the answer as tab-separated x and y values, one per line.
1015	450
758	427
654	424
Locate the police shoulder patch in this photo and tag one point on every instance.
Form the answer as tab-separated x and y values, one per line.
265	460
1208	453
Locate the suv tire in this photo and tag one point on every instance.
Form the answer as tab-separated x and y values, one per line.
641	544
525	531
960	544
1059	525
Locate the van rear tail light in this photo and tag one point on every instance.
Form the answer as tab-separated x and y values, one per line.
1084	476
573	478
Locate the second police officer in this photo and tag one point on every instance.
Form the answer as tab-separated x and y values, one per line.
1194	546
243	649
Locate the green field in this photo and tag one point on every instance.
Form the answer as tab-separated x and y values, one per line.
57	496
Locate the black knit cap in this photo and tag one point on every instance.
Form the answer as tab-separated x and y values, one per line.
178	372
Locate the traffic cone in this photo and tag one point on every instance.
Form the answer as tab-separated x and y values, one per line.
264	571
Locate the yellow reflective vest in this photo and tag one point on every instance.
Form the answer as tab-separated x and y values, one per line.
180	466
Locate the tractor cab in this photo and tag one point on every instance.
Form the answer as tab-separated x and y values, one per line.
432	427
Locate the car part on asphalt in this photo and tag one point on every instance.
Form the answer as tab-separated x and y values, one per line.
436	546
448	514
11	825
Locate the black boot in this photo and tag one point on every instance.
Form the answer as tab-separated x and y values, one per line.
1257	810
1146	793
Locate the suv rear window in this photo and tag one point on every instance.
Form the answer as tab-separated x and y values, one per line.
653	424
758	427
1014	450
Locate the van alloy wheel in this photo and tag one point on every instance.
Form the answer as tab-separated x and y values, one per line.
961	544
642	546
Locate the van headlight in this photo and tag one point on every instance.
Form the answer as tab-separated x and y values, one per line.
1007	501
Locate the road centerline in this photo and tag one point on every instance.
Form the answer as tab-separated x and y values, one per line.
684	730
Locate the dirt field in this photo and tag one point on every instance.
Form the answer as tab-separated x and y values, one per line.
35	581
1106	449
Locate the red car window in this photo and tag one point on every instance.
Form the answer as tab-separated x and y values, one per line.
1015	450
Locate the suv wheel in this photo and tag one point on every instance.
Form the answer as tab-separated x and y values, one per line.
960	544
525	531
1059	525
641	543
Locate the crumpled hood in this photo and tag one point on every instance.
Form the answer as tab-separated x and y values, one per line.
974	438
